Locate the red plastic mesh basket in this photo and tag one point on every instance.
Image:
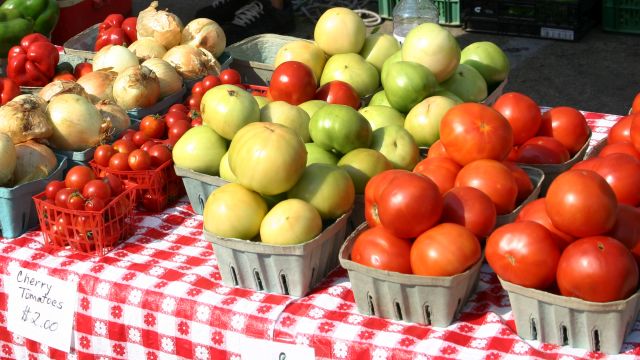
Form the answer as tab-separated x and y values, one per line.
156	188
257	90
89	232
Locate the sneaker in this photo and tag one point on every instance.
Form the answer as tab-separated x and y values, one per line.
259	17
221	11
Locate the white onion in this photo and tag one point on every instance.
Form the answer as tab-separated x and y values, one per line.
77	123
161	25
136	87
114	115
25	118
99	83
147	48
34	161
59	87
170	80
7	159
191	62
114	57
205	33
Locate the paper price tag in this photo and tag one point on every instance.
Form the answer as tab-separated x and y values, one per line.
41	307
253	349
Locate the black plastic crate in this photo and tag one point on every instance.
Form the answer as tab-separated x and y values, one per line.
555	19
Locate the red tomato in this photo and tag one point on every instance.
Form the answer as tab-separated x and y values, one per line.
9	90
542	150
159	154
124	146
129	25
114	183
172	117
470	208
153	126
102	154
178	129
147	145
230	76
139	160
198	89
82	69
522	113
96	189
78	176
293	82
140	138
598	269
53	187
211	81
513	154
127	134
567	125
408	204
525	186
94	204
441	170
587	164
472	131
154	202
181	108
196	122
581	203
64	76
437	150
620	148
62	197
119	162
75	201
377	248
492	178
194	102
536	211
339	92
622	172
372	190
444	250
523	253
620	131
627	226
635	106
634	130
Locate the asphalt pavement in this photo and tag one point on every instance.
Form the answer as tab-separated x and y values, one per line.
600	72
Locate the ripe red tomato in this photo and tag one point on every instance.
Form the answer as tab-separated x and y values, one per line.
139	160
154	202
620	148
102	154
444	250
525	185
437	150
129	25
64	76
230	76
492	178
193	102
181	108
513	154
140	138
408	204
567	125
75	201
114	183
178	129
172	117
587	164
127	134
78	176
94	204
536	211
634	130
119	162
159	154
470	208
211	81
598	269
620	132
339	92
523	253
153	127
542	150
377	248
581	203
124	146
62	197
81	69
627	226
441	170
635	106
198	89
147	145
372	190
293	82
522	113
96	189
622	173
53	187
196	122
472	131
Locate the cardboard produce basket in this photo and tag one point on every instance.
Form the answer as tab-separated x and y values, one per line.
537	178
562	320
429	300
290	270
199	186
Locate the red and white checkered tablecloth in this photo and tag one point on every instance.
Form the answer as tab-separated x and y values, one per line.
159	296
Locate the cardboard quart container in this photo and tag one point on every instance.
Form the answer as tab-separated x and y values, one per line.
198	186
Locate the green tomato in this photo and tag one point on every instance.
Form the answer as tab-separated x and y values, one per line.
339	129
407	83
490	61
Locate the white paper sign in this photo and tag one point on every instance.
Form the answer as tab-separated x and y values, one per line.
254	349
41	307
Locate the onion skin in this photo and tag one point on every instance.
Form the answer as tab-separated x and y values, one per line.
25	118
8	159
170	81
59	87
34	161
136	87
99	84
113	114
161	25
147	48
77	123
192	63
114	57
205	33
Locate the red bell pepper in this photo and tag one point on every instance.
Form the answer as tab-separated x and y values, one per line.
33	62
129	27
8	90
116	30
113	20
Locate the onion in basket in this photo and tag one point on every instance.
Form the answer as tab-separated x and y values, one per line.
34	161
161	25
136	87
99	83
191	62
114	57
25	118
205	33
170	80
114	115
147	48
77	123
7	159
60	87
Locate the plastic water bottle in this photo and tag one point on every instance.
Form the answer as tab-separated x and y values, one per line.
408	14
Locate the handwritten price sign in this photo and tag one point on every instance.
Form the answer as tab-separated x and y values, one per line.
41	307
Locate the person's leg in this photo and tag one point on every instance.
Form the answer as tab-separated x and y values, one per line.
259	17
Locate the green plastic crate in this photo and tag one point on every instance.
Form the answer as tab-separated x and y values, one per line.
449	10
621	16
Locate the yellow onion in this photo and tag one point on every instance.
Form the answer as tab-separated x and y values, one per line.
205	33
7	159
25	118
161	25
62	87
34	161
114	57
170	80
191	62
147	48
77	123
113	114
99	83
136	87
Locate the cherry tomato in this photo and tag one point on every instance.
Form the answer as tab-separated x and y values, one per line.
153	127
377	248
293	82
114	183
178	108
338	92
567	125
470	208
147	145
127	134
81	69
598	269
522	113
444	250
441	170
542	150
178	129
196	122
129	25
523	253
159	154
75	201
78	176
102	154
94	204
198	89
62	197
139	160
172	117
64	76
154	202
620	148
536	211
124	146
140	138
492	178
53	187
230	76
194	102
620	132
96	189
119	162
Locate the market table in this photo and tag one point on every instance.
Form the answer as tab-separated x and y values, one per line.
159	296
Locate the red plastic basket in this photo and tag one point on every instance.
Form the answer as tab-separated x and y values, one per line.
257	90
156	188
89	232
